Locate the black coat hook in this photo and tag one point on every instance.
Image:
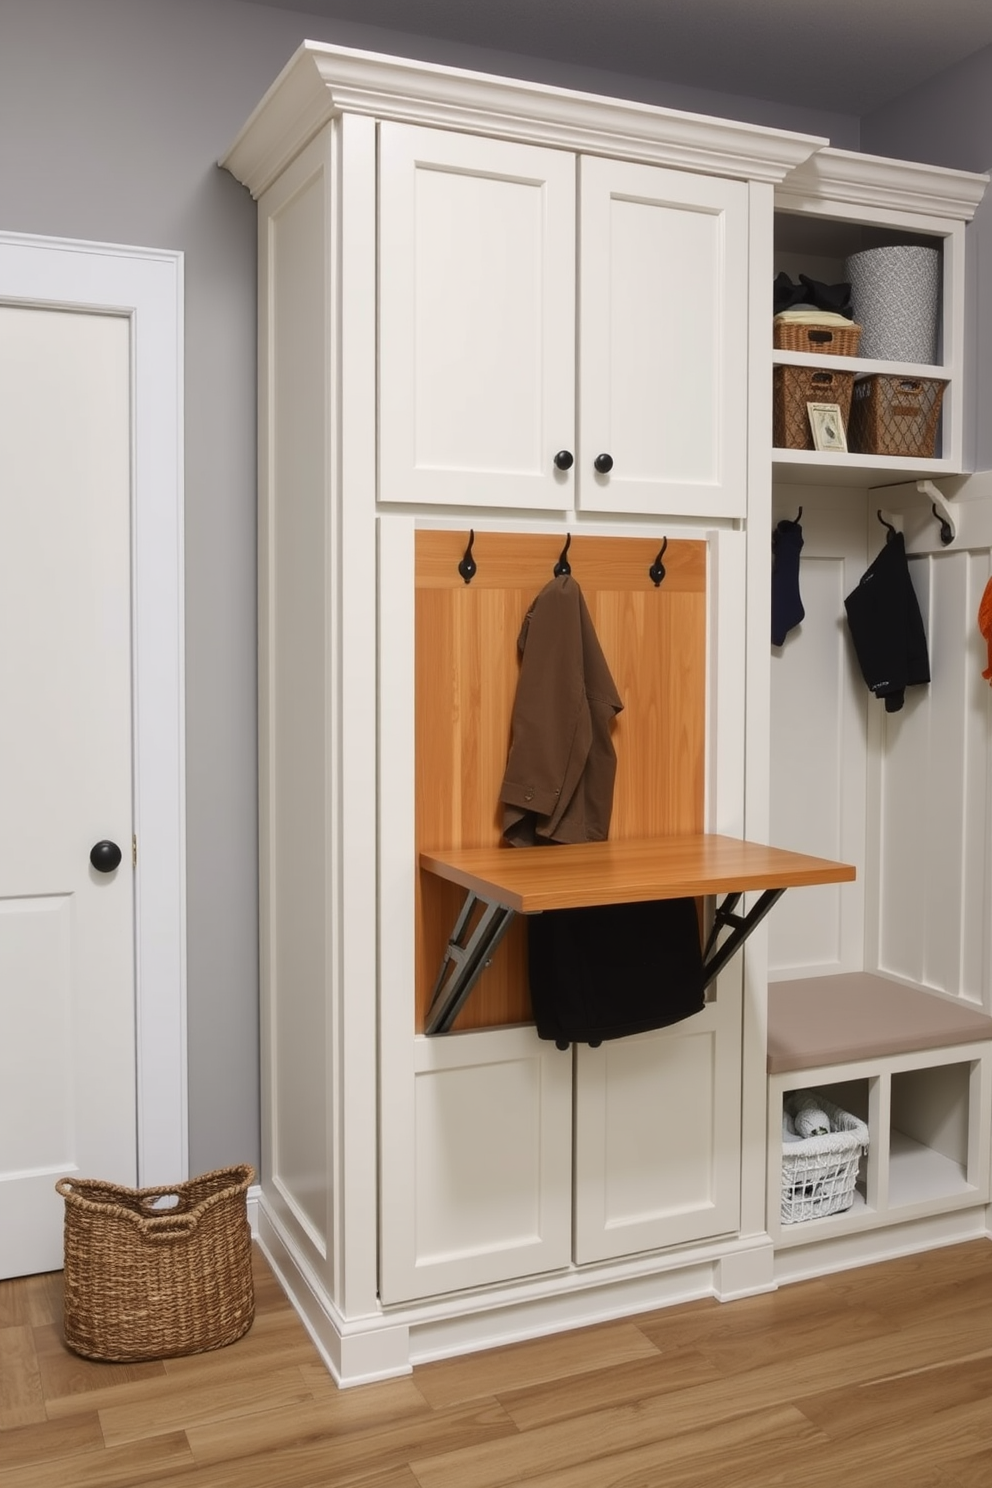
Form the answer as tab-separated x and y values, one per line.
563	566
888	525
946	530
468	566
657	570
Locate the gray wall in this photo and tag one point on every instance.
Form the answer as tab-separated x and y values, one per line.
112	116
948	121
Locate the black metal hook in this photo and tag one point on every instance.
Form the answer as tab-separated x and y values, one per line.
657	570
468	566
799	514
563	566
946	530
891	529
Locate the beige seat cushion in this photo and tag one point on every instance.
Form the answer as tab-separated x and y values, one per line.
841	1019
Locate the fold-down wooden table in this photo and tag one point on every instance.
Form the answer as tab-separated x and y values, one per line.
501	882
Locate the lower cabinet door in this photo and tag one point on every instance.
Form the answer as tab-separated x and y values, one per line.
476	1163
657	1136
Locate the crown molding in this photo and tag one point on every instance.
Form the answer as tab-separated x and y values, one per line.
844	176
322	82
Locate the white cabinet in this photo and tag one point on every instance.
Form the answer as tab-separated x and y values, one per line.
516	1158
483	264
460	278
663	343
476	319
657	1134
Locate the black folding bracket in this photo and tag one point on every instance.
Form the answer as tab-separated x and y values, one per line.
741	926
469	952
475	938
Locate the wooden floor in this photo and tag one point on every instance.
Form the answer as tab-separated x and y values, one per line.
870	1378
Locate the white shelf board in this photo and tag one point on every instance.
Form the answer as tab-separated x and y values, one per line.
860	366
816	468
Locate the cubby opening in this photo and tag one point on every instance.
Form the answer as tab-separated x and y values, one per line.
929	1133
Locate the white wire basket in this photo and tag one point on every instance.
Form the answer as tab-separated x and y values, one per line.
820	1173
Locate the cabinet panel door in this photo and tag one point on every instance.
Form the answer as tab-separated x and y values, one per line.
663	346
657	1136
476	1172
476	319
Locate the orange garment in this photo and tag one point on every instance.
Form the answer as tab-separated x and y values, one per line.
985	626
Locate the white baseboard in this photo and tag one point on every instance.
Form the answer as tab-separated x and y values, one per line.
391	1341
886	1243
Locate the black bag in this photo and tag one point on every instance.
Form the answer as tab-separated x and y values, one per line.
614	969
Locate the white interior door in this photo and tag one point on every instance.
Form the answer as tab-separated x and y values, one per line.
67	1050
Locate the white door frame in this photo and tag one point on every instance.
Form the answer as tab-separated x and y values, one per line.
146	285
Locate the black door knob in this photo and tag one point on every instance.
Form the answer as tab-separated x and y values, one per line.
564	460
603	463
105	856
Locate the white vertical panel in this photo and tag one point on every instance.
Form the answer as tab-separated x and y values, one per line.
295	742
818	770
934	791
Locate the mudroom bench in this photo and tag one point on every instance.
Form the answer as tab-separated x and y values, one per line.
916	1068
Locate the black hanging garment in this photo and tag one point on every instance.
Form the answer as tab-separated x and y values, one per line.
614	969
884	618
787	605
609	970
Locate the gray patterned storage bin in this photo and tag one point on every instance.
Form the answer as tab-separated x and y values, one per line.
895	294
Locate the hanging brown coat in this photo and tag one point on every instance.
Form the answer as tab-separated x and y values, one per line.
561	767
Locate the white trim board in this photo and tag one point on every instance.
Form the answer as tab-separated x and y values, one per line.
146	286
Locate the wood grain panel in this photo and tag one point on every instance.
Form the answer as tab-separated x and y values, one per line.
654	640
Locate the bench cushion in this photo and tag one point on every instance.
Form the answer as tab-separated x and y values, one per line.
841	1019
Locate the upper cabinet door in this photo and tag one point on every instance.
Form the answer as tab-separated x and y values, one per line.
476	320
663	349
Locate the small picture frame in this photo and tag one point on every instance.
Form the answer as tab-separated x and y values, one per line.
828	426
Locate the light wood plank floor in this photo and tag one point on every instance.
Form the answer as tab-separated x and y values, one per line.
875	1377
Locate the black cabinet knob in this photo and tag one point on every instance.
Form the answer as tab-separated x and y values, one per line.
564	460
603	463
105	856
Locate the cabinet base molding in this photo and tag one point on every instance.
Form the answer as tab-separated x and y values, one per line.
358	1351
844	1252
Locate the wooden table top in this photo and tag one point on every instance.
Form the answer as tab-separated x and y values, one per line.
531	879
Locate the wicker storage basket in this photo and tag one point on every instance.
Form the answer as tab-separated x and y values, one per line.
895	415
832	340
819	1173
792	389
143	1282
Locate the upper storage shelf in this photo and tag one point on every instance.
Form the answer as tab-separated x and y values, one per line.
839	203
529	880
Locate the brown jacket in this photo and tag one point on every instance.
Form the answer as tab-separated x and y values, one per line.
558	785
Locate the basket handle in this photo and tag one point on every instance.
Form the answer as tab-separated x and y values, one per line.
165	1227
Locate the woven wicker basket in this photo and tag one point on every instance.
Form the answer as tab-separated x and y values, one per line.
819	1174
896	415
826	340
145	1282
795	387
